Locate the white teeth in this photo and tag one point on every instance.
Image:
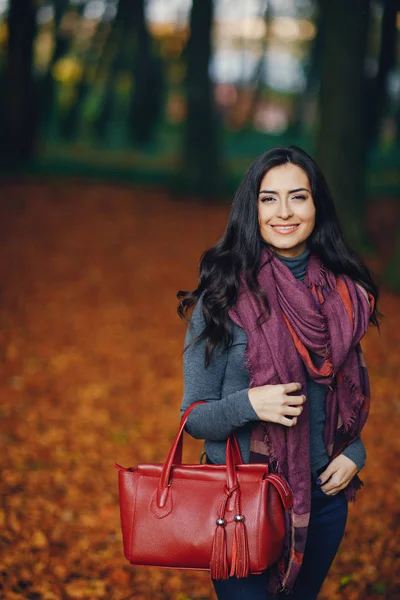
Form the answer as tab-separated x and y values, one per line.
284	227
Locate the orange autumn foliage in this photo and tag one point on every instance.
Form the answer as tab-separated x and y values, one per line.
92	373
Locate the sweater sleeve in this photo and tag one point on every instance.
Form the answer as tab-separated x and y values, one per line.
221	415
356	452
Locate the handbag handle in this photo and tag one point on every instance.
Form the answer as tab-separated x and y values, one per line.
233	457
179	449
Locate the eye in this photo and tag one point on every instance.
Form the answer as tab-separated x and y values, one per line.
299	197
267	199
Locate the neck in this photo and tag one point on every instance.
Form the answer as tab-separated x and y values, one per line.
290	252
304	253
297	264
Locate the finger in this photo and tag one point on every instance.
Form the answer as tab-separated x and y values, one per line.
328	492
337	480
294	411
330	484
291	387
327	474
332	490
288	422
295	400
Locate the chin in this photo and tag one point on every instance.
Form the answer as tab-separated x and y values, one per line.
284	245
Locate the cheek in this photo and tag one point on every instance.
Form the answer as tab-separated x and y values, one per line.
263	213
309	216
260	216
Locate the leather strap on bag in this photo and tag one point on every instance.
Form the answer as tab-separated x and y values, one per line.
240	551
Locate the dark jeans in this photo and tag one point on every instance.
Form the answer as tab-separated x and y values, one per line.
325	532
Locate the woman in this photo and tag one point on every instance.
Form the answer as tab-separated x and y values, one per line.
273	347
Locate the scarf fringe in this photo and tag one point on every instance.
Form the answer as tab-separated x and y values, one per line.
351	490
282	570
319	278
290	548
273	462
248	367
327	356
350	423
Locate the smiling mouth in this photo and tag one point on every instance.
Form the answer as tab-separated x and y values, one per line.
284	229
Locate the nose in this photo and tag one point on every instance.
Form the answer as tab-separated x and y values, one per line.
284	210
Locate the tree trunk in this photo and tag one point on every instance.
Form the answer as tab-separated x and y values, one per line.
201	172
341	136
70	121
387	59
257	84
61	45
19	94
297	125
147	98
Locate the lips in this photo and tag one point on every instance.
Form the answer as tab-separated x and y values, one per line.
285	229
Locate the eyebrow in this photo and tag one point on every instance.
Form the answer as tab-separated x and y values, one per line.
289	192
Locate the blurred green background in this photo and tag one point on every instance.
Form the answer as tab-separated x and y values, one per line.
184	95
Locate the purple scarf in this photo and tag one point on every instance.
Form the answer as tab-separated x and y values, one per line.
315	326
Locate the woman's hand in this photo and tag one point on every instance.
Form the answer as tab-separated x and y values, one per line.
272	403
337	475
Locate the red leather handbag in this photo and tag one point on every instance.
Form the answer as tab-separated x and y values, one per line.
229	519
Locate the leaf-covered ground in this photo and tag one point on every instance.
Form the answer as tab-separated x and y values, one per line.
91	374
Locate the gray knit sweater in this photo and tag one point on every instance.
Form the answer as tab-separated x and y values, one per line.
224	385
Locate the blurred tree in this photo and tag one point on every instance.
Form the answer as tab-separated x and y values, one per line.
70	120
201	157
313	75
257	84
341	135
147	98
129	49
116	57
62	40
18	93
387	59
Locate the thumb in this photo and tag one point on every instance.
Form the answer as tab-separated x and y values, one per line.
325	475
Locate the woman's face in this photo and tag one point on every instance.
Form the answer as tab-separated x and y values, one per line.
286	211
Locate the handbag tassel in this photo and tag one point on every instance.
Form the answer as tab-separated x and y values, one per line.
219	560
240	549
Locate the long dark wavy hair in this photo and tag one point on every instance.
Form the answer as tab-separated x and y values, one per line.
238	251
